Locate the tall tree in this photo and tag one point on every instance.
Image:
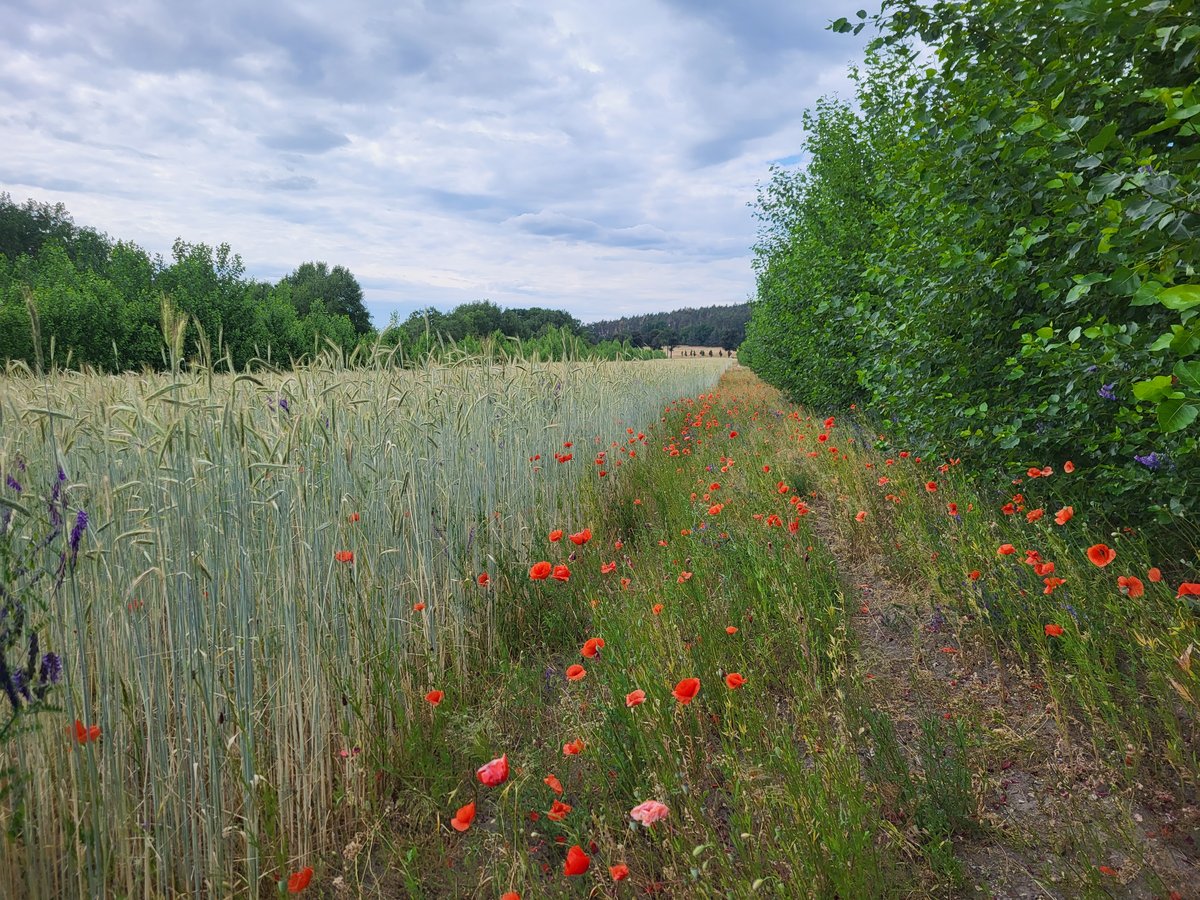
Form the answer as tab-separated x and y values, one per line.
316	287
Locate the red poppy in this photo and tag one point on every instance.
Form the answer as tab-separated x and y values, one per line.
555	536
1101	554
731	629
608	568
580	538
1043	568
1054	631
354	517
554	783
931	487
344	556
464	817
484	579
510	895
577	861
657	608
619	872
1187	589
592	647
1051	583
952	509
685	692
715	509
558	811
734	680
1064	515
1034	514
1007	550
418	606
635	698
683	576
1068	467
435	697
576	672
1154	575
560	573
298	881
540	571
574	748
1131	585
974	574
860	516
85	734
495	772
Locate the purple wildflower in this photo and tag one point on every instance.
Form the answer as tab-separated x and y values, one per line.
1151	461
13	483
81	523
51	669
1106	391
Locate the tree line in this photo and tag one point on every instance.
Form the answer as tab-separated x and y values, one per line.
994	246
709	326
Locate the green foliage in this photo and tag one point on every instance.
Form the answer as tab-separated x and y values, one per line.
709	326
996	246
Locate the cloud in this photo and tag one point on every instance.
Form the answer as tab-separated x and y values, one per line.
595	157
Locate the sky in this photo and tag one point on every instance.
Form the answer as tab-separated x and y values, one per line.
597	157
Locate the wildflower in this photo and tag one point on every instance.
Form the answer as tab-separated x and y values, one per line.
344	556
608	568
1154	575
510	895
657	608
1040	569
683	576
1101	554
1064	515
50	671
558	811
1188	589
1131	585
649	812
464	817
685	692
555	536
592	647
85	734
715	509
1034	514
1068	467
1054	631
576	672
931	487
554	784
635	698
561	573
495	772
734	680
353	517
952	509
574	748
577	861
1151	461
298	881
1006	550
419	606
580	538
860	516
731	629
619	872
974	574
1106	391
433	698
1051	583
484	579
540	571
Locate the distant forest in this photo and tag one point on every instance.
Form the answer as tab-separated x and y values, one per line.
71	296
708	326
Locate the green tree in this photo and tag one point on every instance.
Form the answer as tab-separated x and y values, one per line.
334	291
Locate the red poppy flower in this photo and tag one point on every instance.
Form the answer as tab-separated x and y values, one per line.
464	817
484	579
85	734
931	487
657	608
734	680
974	574
435	697
540	571
344	556
685	692
684	576
495	772
1051	583
555	536
580	538
952	509
1187	589
1064	515
576	672
635	698
860	516
619	872
560	573
554	783
577	861
715	509
1054	631
354	517
510	895
558	811
418	606
1041	569
574	748
1007	550
1101	554
592	647
1131	585
1034	514
608	568
731	629
298	881
1068	467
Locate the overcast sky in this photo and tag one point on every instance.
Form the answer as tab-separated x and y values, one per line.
591	156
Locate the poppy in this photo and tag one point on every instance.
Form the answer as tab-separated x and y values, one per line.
510	895
684	576
1034	514
574	748
1051	583
767	469
1131	585
608	568
577	861
685	692
1064	515
1187	589
464	817
619	872
484	579
1054	631
580	538
298	881
1154	575
418	606
558	811
561	573
540	571
555	536
435	697
344	556
715	509
495	772
85	734
592	647
1007	550
635	698
1041	569
952	509
657	608
649	812
1101	554
733	680
931	487
554	784
733	434
731	629
576	672
860	516
1068	467
974	574
354	517
625	582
